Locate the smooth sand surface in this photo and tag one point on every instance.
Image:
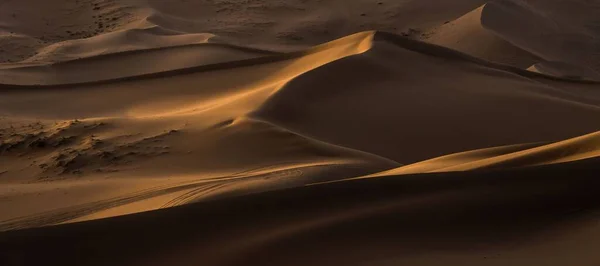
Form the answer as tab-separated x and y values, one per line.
289	132
467	34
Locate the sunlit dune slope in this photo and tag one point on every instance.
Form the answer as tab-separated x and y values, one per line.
514	156
404	92
541	215
468	35
355	106
293	132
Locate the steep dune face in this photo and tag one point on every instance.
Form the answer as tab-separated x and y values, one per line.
280	25
557	31
47	23
467	34
303	111
393	83
298	23
559	37
190	33
542	215
195	130
128	64
117	42
372	149
512	156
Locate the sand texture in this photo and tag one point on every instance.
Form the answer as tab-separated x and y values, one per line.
299	132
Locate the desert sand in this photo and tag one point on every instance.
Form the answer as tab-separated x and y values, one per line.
299	132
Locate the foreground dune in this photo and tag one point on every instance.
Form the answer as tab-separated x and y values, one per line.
298	119
154	141
541	215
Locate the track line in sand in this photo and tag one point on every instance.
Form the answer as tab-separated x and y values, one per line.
197	189
73	212
207	189
190	195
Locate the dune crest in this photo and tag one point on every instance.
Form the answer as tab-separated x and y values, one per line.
289	106
553	30
514	156
293	132
467	34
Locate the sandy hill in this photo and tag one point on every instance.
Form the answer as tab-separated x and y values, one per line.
291	133
467	34
557	31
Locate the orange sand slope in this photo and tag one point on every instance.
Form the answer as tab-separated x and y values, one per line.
169	137
353	107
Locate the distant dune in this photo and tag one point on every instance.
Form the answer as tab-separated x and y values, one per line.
468	35
141	132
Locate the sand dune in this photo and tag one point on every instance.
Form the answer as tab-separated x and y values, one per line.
141	132
339	103
127	64
518	217
556	31
468	35
524	33
513	156
281	25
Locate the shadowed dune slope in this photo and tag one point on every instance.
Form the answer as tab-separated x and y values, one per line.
155	133
369	102
536	215
404	92
513	156
82	28
123	65
305	112
468	35
554	30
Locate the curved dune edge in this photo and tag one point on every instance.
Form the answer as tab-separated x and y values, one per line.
190	189
128	64
150	194
116	42
225	114
362	40
445	52
561	70
556	31
298	160
514	156
167	145
526	215
224	104
468	35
